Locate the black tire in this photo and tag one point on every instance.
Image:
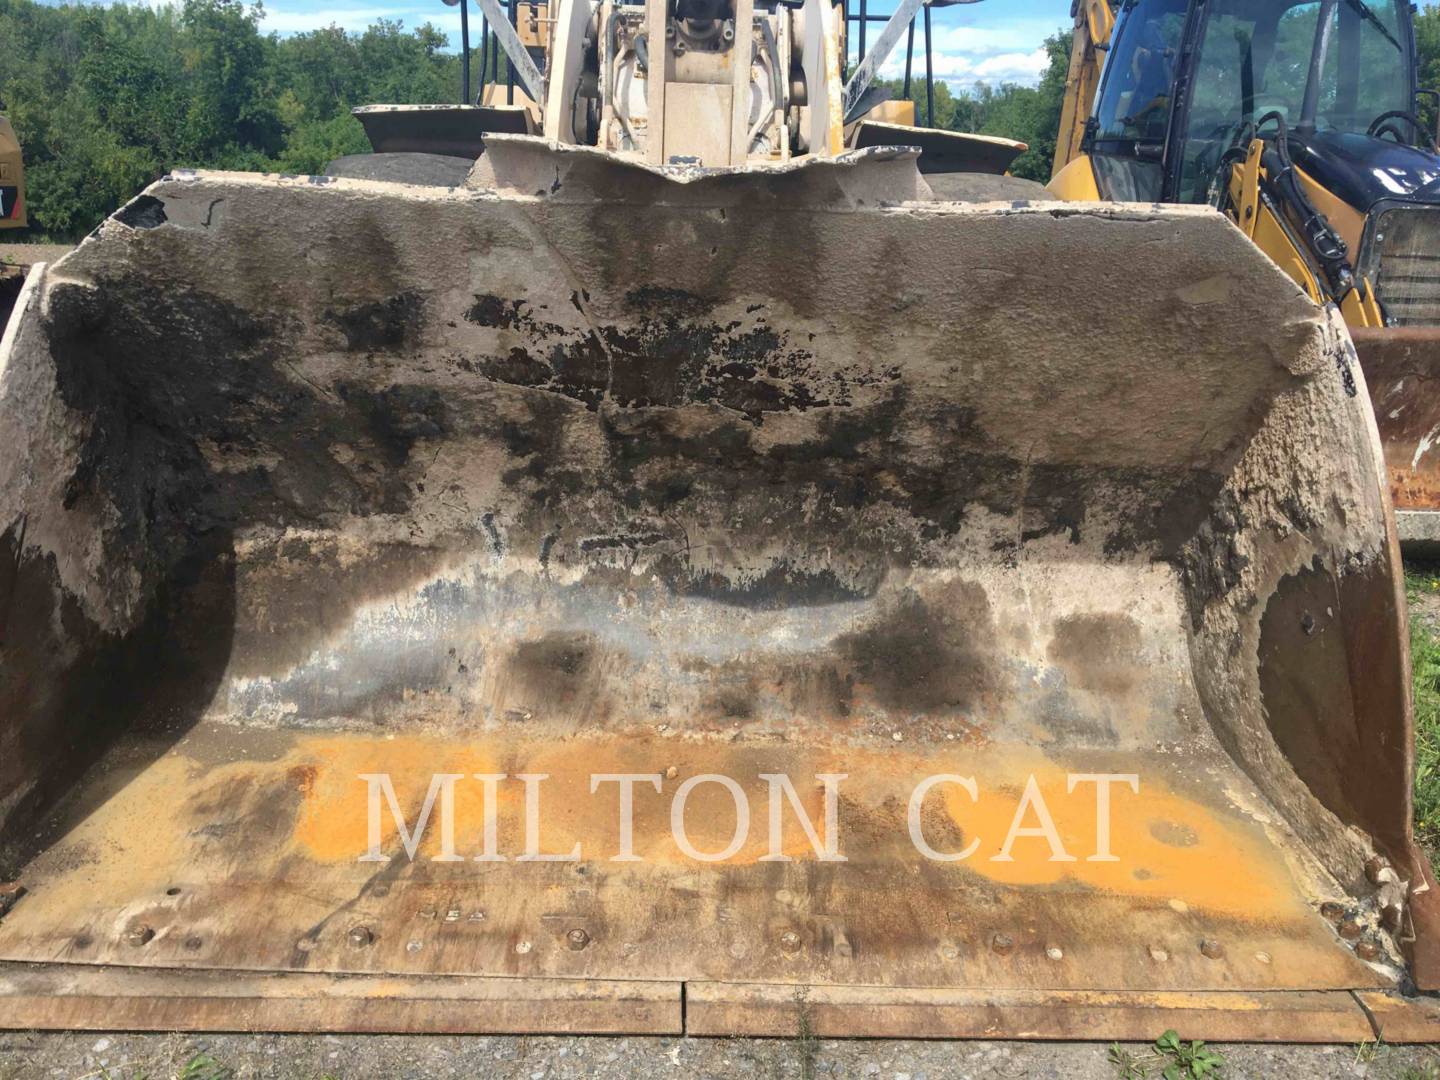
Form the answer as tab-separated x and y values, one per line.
428	170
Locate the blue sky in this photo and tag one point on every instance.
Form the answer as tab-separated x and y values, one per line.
993	41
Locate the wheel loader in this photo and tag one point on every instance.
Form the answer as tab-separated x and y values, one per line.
12	211
689	577
12	179
1300	121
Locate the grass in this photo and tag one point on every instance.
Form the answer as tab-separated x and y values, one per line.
1127	1064
204	1067
806	1044
1368	1050
1422	589
1170	1058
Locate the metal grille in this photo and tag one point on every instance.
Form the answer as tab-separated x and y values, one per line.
1406	261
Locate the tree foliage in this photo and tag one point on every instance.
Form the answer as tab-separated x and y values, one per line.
1427	56
106	99
1028	113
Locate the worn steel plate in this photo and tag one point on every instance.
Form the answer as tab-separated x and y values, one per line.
238	849
76	997
1402	369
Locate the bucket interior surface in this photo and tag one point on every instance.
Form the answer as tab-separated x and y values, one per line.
324	481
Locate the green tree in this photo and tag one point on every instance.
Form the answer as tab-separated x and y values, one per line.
323	71
230	105
1427	56
106	99
1030	114
312	145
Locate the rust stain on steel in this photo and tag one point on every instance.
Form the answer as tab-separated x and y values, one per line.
66	997
1400	1019
262	860
1402	369
1275	1016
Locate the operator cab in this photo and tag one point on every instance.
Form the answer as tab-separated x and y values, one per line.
1187	80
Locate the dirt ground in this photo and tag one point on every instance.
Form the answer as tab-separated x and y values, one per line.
310	1057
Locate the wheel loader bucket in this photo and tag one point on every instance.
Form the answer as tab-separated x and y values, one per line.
994	607
1401	364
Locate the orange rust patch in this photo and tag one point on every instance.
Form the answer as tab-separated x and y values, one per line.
303	777
1412	488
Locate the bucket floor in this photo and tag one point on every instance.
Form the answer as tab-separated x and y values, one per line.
238	848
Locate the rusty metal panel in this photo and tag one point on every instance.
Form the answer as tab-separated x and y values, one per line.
1402	368
829	1012
1401	1019
73	997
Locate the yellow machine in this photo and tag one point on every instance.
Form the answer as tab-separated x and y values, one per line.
685	576
1298	121
12	179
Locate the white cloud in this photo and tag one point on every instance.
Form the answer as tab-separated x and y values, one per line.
1014	66
965	55
297	22
1015	35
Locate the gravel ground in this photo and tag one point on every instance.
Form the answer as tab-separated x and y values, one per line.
312	1057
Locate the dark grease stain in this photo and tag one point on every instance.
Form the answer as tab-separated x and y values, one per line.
649	297
1098	652
732	702
391	323
398	417
555	667
781	586
142	212
671	351
1211	563
491	310
928	654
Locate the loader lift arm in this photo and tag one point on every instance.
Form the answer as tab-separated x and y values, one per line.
1093	22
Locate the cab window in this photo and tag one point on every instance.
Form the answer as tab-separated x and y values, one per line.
1256	58
1140	72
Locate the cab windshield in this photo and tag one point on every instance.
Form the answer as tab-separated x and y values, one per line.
1133	113
1140	72
1257	57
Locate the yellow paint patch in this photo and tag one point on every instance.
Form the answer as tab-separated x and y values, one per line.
1168	847
334	819
1210	863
